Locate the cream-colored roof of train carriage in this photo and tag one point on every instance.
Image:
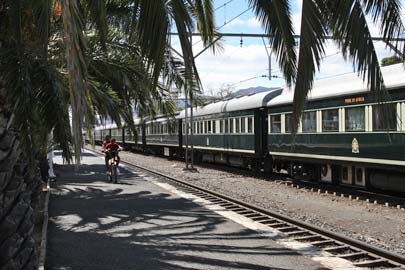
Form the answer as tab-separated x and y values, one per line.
107	126
352	83
234	104
137	121
160	118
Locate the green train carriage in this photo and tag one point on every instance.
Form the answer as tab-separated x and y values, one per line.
162	136
231	131
344	137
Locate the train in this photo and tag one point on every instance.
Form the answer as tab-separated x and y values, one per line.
344	137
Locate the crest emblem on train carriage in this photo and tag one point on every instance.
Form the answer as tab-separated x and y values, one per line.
355	146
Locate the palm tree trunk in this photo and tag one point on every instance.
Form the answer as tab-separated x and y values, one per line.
17	247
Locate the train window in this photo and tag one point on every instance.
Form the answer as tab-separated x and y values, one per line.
237	125
221	126
354	118
231	125
250	125
330	120
209	126
288	122
275	123
384	117
309	122
243	125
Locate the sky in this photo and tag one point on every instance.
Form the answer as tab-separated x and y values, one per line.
241	66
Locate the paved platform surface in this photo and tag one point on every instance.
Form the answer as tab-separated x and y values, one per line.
137	224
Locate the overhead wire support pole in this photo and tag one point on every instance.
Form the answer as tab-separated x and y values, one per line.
186	129
268	56
191	118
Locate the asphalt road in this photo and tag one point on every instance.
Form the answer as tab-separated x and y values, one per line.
137	224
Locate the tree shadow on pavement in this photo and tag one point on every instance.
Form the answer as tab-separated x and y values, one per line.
96	225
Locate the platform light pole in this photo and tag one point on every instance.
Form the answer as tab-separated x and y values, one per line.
189	125
186	128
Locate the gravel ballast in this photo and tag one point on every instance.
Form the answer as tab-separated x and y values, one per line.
375	224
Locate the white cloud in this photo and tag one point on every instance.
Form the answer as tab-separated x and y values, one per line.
237	64
251	23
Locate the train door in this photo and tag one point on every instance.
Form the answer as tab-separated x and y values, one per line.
180	132
262	158
260	131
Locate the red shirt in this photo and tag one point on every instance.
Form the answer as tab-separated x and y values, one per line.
106	142
111	146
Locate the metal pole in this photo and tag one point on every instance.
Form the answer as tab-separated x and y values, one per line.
191	115
192	131
186	128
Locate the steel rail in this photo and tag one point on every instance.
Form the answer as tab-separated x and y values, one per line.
391	257
396	258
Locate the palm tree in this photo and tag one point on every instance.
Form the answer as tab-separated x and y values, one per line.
16	216
346	22
59	55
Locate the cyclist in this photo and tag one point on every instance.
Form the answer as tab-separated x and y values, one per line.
107	140
111	150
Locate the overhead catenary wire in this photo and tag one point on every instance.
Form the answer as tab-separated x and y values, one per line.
227	22
223	5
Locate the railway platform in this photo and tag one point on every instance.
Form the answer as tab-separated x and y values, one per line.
141	223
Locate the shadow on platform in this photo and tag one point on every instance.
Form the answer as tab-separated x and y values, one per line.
96	225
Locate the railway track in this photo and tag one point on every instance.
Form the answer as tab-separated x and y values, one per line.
350	192
359	253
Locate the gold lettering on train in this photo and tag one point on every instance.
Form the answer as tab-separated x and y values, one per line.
354	100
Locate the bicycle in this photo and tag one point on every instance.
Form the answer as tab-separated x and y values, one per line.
112	167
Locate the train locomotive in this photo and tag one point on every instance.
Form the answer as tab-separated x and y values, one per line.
344	136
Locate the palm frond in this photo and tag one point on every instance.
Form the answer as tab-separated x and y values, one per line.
76	67
353	35
151	27
275	16
387	14
184	25
42	12
16	70
312	41
99	16
204	13
351	32
52	102
15	24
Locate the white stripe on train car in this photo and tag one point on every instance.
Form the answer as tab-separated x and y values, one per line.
343	158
